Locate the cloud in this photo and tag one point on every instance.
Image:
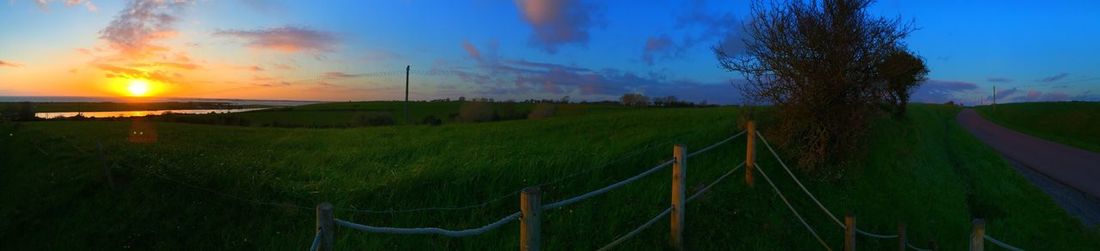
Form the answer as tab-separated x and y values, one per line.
45	4
135	29
699	25
656	45
286	39
1037	96
337	75
1003	94
940	91
1057	77
558	22
999	80
471	50
517	78
10	64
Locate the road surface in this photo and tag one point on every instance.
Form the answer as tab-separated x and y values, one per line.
1072	176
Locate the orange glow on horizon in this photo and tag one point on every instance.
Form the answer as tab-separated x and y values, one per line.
138	87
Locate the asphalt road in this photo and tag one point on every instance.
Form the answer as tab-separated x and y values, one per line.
1070	175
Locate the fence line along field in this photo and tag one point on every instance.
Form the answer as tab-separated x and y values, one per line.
228	187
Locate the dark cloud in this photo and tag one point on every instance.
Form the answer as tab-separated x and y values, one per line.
999	80
286	39
337	75
940	91
721	29
135	29
1057	77
9	64
508	78
1004	94
558	22
1038	96
662	44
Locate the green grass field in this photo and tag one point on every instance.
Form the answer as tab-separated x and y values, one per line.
353	114
223	187
1072	123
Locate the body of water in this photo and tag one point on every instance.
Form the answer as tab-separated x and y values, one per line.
113	114
152	99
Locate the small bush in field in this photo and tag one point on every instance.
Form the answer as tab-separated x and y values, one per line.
431	120
542	110
475	112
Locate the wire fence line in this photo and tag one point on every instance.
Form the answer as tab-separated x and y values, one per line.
653	220
796	181
516	215
631	179
789	206
880	236
431	230
1002	244
316	242
910	245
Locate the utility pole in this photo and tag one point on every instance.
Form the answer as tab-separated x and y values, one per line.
994	97
407	67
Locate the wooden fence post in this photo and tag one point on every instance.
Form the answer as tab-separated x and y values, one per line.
679	173
530	207
902	239
750	152
849	232
977	237
325	226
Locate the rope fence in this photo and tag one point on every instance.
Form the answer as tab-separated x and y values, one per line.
529	215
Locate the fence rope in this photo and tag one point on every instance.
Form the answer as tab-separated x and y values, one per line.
430	230
649	223
637	230
1002	244
910	245
796	181
799	216
608	188
880	236
316	242
712	146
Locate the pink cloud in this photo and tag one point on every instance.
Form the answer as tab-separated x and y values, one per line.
286	39
10	64
470	49
557	23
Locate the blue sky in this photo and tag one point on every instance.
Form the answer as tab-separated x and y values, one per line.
588	50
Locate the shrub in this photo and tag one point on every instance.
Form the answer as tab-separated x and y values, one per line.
475	112
542	110
431	120
817	62
376	119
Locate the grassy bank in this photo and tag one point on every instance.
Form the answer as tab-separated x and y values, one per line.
220	187
1071	123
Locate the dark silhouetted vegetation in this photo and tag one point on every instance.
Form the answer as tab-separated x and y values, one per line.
818	63
902	72
634	99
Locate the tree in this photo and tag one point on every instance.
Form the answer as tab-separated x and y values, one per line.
902	72
634	99
817	63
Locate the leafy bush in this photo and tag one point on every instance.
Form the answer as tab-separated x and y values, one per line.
475	112
542	111
431	120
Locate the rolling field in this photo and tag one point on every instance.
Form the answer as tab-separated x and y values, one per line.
1072	123
356	114
226	187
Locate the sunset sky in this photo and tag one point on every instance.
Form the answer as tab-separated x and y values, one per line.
588	50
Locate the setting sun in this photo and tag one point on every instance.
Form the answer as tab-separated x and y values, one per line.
138	87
